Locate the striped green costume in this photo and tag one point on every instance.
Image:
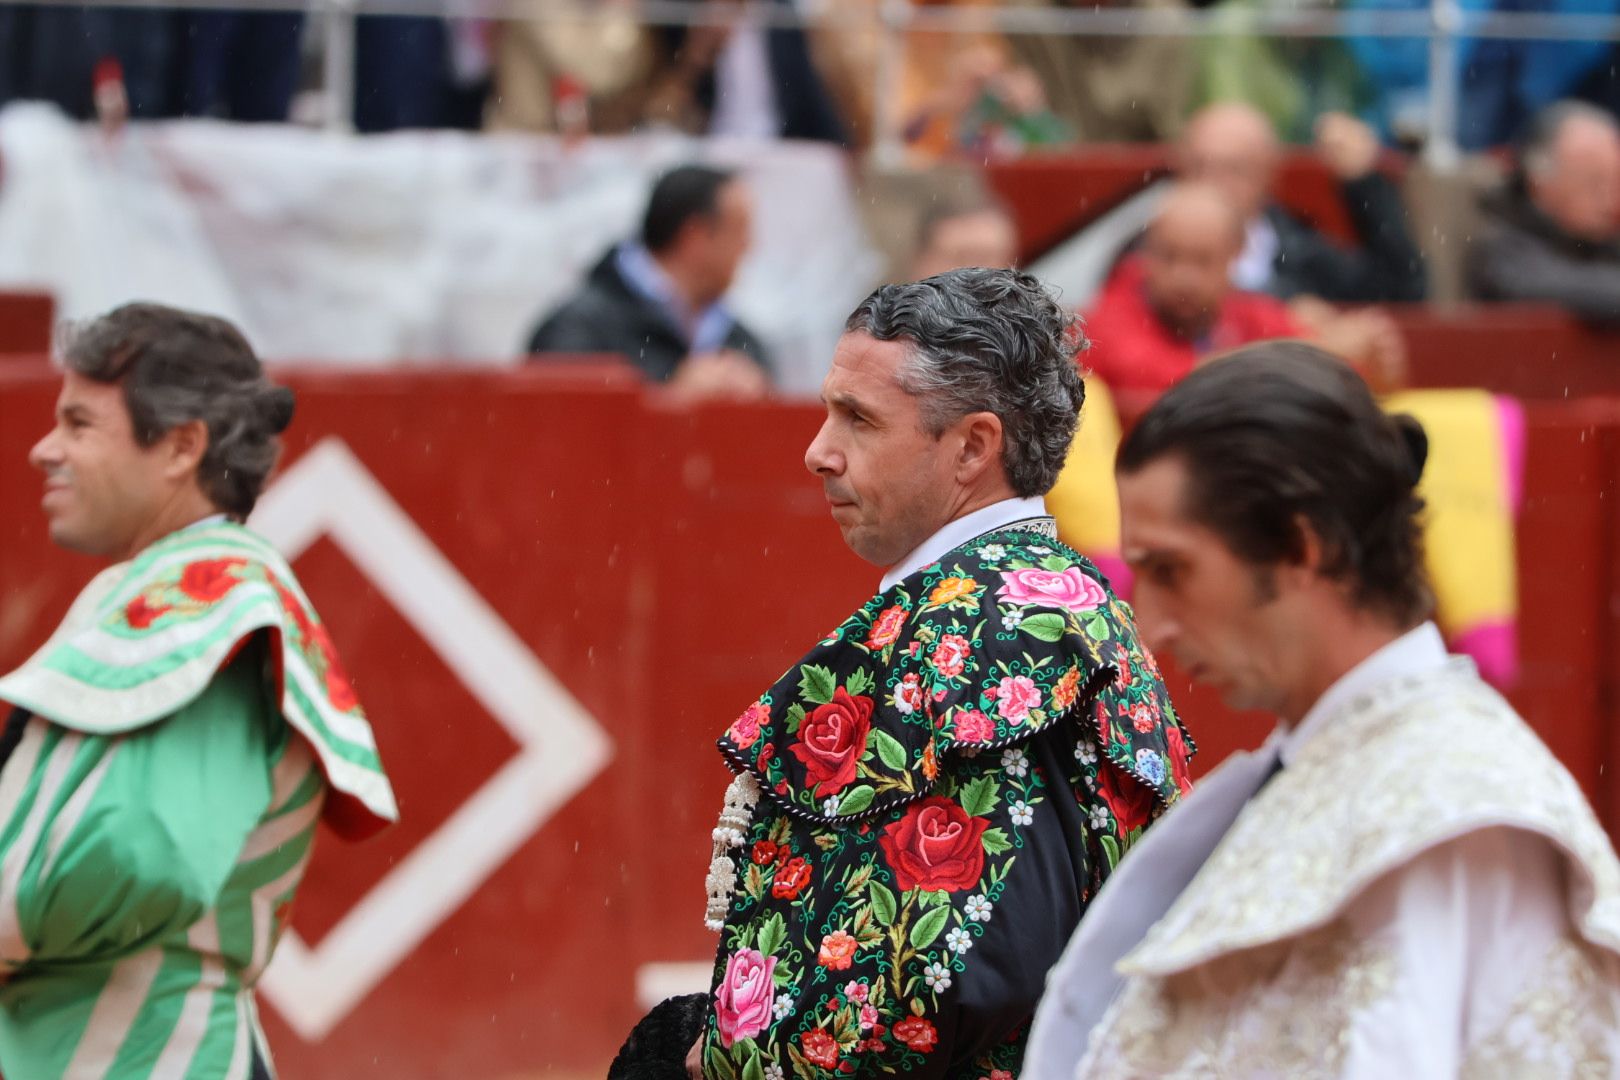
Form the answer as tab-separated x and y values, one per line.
180	736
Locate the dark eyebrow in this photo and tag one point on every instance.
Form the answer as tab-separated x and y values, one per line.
844	401
75	411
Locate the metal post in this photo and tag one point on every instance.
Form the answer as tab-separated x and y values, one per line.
888	147
1445	78
337	64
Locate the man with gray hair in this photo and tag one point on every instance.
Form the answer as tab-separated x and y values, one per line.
171	749
924	804
1553	234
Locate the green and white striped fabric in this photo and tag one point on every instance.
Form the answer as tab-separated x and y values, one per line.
158	814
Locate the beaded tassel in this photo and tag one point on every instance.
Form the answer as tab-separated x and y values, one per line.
741	798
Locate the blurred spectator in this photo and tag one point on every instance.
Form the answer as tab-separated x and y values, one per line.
658	301
407	74
1232	146
953	235
51	53
741	79
242	65
572	75
1503	83
1552	233
980	105
1109	89
1174	304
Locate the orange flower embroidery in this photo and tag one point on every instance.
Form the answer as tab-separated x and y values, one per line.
953	588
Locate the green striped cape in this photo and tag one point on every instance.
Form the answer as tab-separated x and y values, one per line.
145	639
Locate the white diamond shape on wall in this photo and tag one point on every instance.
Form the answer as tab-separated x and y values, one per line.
561	747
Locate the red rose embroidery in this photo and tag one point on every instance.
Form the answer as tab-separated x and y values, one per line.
764	853
837	951
1178	757
937	846
917	1033
1144	719
831	741
886	628
791	879
908	696
210	580
950	655
1130	800
139	614
819	1048
338	688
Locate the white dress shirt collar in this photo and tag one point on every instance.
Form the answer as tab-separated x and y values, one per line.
956	533
1416	652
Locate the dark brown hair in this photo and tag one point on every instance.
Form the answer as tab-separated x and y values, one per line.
1281	433
177	366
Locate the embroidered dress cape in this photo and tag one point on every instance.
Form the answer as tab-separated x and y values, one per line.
945	781
180	736
1422	891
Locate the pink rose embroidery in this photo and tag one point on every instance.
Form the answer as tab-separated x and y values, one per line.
1071	589
742	1005
950	655
908	696
973	726
1015	696
744	731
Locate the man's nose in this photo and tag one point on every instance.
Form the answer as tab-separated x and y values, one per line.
821	457
46	454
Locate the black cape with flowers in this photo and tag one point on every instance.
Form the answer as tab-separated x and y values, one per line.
948	779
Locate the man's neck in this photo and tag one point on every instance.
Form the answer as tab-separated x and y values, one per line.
1340	648
182	514
681	283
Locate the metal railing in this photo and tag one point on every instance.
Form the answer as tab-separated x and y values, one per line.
1442	25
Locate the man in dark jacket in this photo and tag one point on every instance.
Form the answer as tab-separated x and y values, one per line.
658	301
1552	234
1232	146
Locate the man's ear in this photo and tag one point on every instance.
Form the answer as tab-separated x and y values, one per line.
184	446
982	441
1309	551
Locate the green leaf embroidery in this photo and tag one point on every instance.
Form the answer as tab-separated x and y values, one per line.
1046	626
817	683
929	927
884	905
860	682
889	750
717	1065
753	1070
932	898
772	934
1097	627
1111	849
1055	563
995	841
856	799
979	796
795	717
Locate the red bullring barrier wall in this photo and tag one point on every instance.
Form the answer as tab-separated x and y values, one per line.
664	565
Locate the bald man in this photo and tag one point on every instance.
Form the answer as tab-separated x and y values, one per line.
1173	303
1232	146
1554	235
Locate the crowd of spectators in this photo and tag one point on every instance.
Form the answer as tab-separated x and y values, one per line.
1207	260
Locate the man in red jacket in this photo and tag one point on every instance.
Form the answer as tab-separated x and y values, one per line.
1173	303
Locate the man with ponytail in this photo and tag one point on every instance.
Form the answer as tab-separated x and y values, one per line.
170	750
1402	880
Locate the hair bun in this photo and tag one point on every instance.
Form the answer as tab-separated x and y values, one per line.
278	403
1416	442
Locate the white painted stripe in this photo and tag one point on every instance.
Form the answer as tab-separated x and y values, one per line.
290	772
655	982
192	1027
281	830
73	810
114	1014
13	949
241	1066
263	903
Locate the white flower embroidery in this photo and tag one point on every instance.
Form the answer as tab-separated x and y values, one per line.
773	1071
977	908
1086	753
829	806
994	551
959	940
782	1007
1022	813
1015	762
1040	549
1099	817
938	977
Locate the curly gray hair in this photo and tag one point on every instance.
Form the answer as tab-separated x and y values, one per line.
988	341
178	366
